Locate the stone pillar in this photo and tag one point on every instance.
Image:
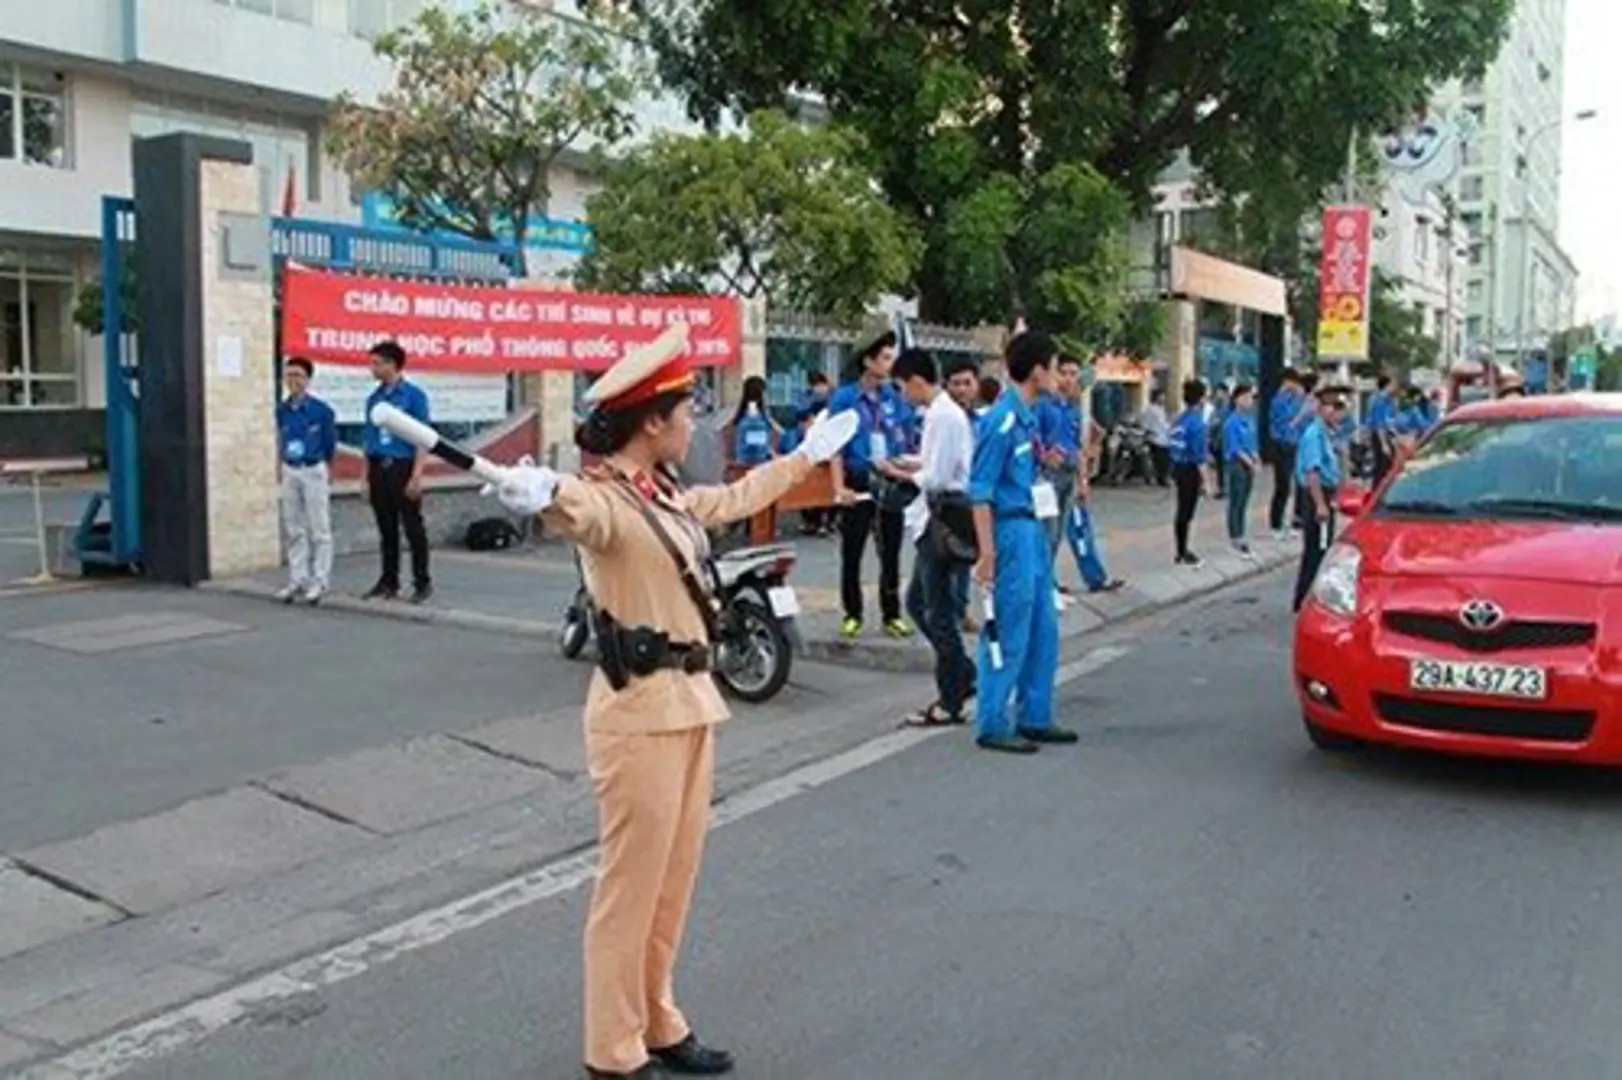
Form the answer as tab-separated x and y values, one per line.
1183	346
557	420
239	373
207	442
753	359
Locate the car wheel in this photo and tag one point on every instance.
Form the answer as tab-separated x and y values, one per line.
1329	742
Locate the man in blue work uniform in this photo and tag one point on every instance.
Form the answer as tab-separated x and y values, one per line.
1381	423
1241	460
307	432
866	483
1019	645
1282	427
1318	472
394	472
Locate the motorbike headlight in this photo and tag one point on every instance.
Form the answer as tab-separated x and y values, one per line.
1335	588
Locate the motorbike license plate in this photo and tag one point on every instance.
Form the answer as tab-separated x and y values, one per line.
1485	680
785	604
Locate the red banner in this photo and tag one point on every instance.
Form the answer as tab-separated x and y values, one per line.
1343	283
338	317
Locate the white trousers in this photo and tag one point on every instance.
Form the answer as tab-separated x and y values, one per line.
307	517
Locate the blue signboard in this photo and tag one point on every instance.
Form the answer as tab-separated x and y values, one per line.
545	234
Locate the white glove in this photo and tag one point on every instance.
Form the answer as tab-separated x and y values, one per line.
829	434
526	489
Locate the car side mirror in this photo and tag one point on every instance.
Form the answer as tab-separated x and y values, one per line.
1353	501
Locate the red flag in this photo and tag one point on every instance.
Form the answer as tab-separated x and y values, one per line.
288	194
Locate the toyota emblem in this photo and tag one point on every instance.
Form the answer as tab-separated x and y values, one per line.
1481	615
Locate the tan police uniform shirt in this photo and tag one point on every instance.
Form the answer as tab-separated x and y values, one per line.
633	578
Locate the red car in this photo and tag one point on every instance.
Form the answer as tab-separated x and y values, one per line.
1474	605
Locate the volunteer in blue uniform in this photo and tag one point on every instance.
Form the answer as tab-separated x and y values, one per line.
1282	427
751	426
1381	423
1189	446
864	479
1019	645
1317	471
1242	460
394	472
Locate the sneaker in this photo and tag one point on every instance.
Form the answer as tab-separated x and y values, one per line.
850	629
1006	744
382	591
289	593
421	594
900	628
314	593
1190	560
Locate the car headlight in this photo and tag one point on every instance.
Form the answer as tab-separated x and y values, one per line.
1335	588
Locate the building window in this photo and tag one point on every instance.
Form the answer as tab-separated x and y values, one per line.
1474	292
1472	189
299	11
281	146
33	117
39	344
1422	243
373	18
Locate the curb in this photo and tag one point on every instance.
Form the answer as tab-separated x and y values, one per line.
456	618
914	659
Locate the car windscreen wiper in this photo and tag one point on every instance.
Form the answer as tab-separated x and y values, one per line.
1548	509
1422	507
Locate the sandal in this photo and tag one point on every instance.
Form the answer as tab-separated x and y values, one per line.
934	717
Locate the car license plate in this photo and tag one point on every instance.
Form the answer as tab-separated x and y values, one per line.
1487	680
785	604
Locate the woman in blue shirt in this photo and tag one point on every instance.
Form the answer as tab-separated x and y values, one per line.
1189	449
1241	458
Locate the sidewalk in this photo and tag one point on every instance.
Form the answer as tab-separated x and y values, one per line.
526	591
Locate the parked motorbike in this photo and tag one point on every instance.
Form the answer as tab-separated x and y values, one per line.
1128	454
759	634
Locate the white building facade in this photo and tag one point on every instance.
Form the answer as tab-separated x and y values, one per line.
1522	286
81	79
1423	251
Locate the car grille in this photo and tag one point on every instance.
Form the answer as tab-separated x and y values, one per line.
1539	725
1520	634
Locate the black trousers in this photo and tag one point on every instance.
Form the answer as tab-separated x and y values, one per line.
1283	485
1314	543
1161	457
387	479
1189	482
1382	460
856	524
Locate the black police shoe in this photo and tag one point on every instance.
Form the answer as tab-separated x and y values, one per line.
692	1058
1052	736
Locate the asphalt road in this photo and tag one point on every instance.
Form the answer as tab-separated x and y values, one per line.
1191	893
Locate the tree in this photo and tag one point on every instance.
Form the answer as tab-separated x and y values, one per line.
783	211
1608	375
89	312
482	105
1398	344
969	108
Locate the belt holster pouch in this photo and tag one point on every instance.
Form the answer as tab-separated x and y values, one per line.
610	656
644	649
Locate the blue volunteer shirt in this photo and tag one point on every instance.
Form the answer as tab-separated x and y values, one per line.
1317	454
1382	416
410	399
1188	441
1239	436
1281	417
307	431
1410	422
1346	430
881	431
1004	466
1058	427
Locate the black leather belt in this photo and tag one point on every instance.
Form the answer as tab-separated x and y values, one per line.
689	659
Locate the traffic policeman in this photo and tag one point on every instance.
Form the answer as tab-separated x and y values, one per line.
652	706
1318	475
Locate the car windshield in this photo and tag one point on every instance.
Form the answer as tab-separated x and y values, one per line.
1545	468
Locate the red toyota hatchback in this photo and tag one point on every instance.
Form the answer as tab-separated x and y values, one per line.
1474	605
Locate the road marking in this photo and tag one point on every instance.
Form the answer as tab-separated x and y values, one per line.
190	1024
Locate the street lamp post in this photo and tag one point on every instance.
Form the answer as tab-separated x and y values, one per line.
1523	291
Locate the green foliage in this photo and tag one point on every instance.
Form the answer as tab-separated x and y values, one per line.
971	112
1608	376
88	310
1397	343
482	105
784	211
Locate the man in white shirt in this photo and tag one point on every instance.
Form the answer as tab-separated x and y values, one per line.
1157	430
941	525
